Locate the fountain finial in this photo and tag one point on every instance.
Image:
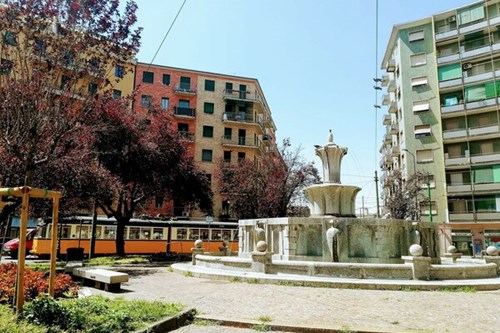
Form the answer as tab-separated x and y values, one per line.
330	137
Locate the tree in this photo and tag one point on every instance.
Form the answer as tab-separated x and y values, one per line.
56	58
402	198
266	188
140	159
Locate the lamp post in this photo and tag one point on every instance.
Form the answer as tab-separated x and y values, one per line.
414	172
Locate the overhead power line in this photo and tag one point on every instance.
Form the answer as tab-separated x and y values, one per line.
166	34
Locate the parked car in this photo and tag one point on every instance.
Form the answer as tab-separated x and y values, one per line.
12	247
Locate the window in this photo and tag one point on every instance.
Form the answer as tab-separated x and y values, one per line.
148	77
420	106
481	92
164	103
165	79
208	108
117	94
208	131
184	103
416	35
185	83
145	101
92	88
425	156
427	181
418	59
209	85
241	156
9	38
229	87
418	81
422	130
228	133
119	71
471	14
424	208
227	156
206	155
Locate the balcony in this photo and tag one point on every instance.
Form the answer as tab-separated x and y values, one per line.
450	83
483	130
386	99
454	189
241	117
387	119
394	129
391	66
393	108
478	25
238	95
387	138
185	136
453	108
446	29
471	216
386	160
481	104
485	158
185	90
461	217
395	151
477	72
456	160
442	59
392	86
241	141
453	134
184	112
384	81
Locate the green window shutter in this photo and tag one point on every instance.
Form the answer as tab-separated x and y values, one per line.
208	108
483	175
208	131
471	14
475	93
209	85
490	89
450	72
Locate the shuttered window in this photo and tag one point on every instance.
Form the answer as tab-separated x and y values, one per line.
424	156
418	59
416	35
449	72
471	14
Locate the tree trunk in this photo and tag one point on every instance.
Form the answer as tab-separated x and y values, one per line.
120	236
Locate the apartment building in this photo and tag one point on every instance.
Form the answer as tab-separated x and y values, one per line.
219	117
442	100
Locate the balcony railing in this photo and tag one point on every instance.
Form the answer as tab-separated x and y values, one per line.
184	112
471	216
185	90
241	141
185	135
243	117
240	95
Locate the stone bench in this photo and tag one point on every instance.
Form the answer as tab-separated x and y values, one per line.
101	278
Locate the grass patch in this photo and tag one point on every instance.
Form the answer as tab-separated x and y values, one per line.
460	289
170	269
188	274
235	279
265	319
204	322
252	281
96	314
290	283
44	266
10	323
261	328
116	261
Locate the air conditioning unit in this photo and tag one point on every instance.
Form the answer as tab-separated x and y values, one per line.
467	66
452	19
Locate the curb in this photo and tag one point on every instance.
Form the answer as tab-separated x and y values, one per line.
171	323
251	324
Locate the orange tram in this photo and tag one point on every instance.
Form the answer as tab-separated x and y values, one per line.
141	236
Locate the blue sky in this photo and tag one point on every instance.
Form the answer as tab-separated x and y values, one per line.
315	60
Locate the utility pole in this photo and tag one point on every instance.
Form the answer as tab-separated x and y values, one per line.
376	193
429	196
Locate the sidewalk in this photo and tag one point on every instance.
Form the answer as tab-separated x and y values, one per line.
320	308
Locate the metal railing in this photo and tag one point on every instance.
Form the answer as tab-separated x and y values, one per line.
186	112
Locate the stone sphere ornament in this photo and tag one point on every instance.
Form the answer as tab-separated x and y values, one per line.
198	243
261	246
452	249
492	251
416	250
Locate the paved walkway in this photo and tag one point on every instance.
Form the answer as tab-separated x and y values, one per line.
346	310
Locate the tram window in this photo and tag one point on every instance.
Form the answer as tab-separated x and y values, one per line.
204	233
134	233
216	234
109	232
226	234
157	233
194	234
45	232
181	233
235	235
98	232
145	233
85	231
65	231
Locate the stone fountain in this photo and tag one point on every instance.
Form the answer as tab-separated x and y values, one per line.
332	232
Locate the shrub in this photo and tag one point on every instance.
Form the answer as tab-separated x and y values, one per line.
46	311
35	283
